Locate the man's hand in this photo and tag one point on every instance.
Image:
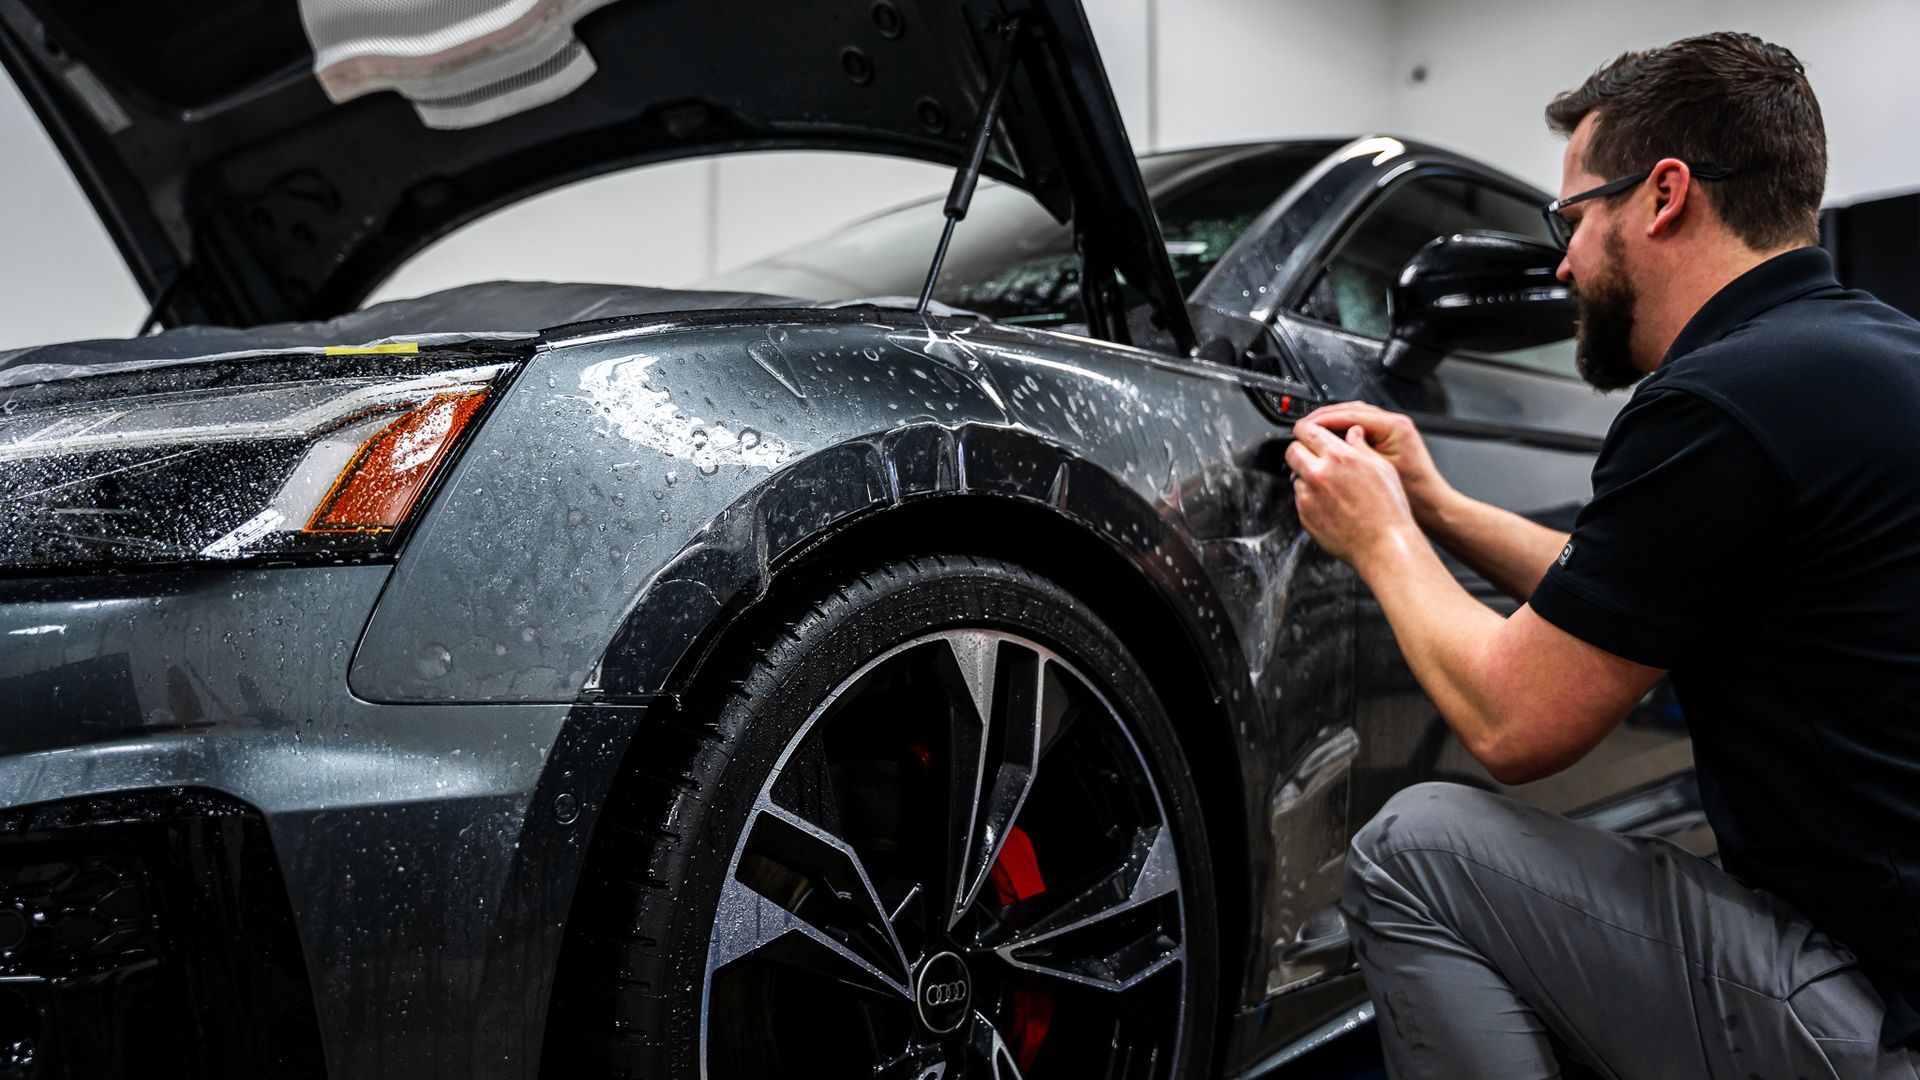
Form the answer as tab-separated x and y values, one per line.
1349	495
1393	436
1506	549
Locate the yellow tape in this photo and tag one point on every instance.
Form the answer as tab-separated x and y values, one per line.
363	350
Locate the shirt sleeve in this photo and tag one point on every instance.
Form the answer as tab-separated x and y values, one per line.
1686	505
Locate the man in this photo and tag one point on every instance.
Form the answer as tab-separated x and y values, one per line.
1755	531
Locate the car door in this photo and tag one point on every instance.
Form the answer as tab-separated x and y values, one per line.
1518	430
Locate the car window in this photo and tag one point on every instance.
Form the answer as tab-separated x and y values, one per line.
1010	260
1351	289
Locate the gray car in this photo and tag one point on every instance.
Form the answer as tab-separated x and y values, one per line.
797	675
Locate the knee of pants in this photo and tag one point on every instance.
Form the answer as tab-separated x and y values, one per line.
1430	815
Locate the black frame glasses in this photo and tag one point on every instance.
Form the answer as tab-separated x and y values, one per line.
1561	230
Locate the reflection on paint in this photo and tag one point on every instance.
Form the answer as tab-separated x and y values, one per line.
638	412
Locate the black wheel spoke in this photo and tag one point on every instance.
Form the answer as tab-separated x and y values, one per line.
987	1053
921	1063
1114	934
995	754
835	910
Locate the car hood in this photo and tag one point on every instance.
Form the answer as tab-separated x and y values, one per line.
270	160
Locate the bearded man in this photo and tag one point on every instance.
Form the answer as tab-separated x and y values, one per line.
1755	531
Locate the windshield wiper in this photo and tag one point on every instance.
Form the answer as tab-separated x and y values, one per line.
960	196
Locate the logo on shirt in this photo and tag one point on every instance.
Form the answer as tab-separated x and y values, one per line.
1566	553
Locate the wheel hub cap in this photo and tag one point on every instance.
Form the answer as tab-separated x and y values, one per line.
943	993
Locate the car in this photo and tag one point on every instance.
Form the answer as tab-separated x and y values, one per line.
899	657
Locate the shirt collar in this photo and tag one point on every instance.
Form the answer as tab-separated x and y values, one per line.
1782	278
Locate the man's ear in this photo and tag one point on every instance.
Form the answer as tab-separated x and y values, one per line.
1672	184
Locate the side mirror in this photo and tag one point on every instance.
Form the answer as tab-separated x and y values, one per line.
1479	291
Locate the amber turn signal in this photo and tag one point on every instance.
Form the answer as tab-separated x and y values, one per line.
378	488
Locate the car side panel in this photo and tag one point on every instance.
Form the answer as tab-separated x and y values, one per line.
596	464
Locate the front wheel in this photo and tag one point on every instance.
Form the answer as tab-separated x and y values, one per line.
941	828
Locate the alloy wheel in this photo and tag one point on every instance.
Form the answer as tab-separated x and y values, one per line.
960	865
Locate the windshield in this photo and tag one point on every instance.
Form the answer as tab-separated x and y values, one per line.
1010	260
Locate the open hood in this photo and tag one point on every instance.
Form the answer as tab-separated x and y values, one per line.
271	160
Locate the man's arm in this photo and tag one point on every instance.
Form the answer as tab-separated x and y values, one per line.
1509	551
1525	698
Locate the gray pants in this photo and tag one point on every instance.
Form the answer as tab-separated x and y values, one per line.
1492	933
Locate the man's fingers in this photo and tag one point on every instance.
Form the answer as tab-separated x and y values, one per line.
1357	435
1341	413
1344	416
1317	438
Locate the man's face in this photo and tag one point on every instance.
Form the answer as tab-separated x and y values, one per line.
1598	266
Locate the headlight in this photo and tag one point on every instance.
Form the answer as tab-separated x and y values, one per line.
274	459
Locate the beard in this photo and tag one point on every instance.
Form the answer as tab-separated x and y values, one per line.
1603	349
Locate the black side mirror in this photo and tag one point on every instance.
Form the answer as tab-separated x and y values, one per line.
1479	291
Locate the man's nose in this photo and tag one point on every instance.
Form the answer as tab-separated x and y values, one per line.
1564	272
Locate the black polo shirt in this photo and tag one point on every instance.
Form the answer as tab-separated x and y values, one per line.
1755	527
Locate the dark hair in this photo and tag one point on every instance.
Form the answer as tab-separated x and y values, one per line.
1721	100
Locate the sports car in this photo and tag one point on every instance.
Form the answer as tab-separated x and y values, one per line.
896	658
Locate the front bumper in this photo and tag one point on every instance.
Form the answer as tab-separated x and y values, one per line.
415	850
148	934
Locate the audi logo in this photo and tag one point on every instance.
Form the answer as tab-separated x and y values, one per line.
945	993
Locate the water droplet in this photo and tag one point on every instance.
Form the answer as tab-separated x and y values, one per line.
749	438
870	353
433	661
672	478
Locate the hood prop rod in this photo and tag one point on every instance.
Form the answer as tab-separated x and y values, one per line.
960	196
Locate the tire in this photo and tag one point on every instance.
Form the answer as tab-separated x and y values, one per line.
767	887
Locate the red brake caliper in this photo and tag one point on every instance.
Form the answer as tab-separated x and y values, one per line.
1015	877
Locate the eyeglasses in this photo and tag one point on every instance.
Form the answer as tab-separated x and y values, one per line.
1562	230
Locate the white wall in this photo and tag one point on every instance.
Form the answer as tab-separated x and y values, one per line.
1185	72
667	224
1231	70
1492	65
60	277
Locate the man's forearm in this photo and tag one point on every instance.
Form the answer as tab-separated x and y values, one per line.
1509	551
1443	632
